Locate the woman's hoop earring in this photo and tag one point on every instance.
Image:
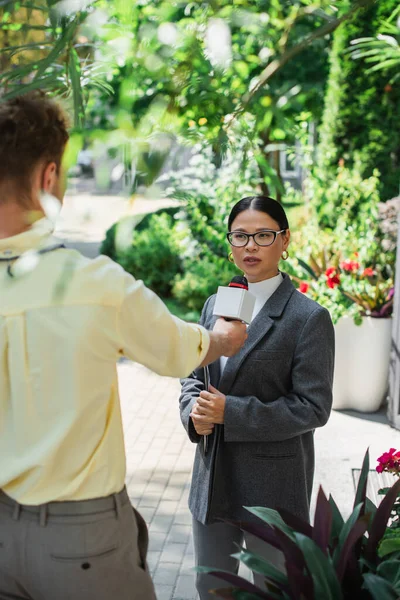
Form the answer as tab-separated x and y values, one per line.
230	257
285	255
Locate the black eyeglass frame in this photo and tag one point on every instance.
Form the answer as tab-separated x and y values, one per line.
249	235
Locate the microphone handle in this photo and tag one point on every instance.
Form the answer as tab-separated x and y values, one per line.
206	386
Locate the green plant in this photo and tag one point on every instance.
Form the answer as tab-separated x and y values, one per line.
383	50
334	559
361	111
201	279
121	233
152	254
348	200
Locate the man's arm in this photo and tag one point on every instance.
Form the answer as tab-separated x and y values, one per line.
226	339
151	336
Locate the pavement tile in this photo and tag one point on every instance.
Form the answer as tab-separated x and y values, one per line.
179	534
152	560
147	513
185	588
164	592
166	574
157	541
173	553
161	524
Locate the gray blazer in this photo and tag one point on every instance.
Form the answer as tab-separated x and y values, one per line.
278	389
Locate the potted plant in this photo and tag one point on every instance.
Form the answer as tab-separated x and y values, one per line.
333	559
359	296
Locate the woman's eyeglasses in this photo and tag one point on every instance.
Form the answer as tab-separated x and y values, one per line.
261	238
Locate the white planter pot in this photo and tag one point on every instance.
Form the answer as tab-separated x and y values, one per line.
361	363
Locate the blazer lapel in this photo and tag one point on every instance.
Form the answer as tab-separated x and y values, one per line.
258	328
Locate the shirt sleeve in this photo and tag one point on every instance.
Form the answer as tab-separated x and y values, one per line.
150	335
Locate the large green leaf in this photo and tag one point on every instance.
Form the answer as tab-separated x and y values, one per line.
346	529
347	551
296	523
322	522
326	584
380	520
388	546
337	521
390	570
379	588
272	517
238	582
260	565
261	530
361	491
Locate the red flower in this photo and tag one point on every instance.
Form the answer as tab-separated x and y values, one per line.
349	265
368	272
303	288
332	277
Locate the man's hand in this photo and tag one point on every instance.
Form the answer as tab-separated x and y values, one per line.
209	408
234	334
226	339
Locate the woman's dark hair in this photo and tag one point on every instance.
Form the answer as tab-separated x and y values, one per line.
264	204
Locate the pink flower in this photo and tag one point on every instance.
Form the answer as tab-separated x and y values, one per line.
389	461
368	272
303	288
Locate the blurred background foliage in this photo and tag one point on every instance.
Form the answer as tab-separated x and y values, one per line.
201	101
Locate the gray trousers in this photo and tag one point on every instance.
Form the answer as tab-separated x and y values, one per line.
87	550
213	546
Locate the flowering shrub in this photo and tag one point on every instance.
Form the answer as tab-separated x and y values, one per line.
345	286
347	274
389	462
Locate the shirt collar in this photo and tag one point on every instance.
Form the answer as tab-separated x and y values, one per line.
264	289
37	237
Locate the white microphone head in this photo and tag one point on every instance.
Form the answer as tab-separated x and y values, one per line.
235	301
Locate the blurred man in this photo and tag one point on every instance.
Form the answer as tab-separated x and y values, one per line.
67	529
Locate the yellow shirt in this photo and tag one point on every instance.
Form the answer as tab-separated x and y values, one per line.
64	321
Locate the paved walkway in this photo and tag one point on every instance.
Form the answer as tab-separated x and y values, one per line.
159	458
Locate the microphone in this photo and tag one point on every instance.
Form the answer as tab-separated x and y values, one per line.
235	301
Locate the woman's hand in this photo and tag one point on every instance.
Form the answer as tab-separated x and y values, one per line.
200	427
209	408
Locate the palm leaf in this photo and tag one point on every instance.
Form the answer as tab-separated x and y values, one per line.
58	49
40	84
74	70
